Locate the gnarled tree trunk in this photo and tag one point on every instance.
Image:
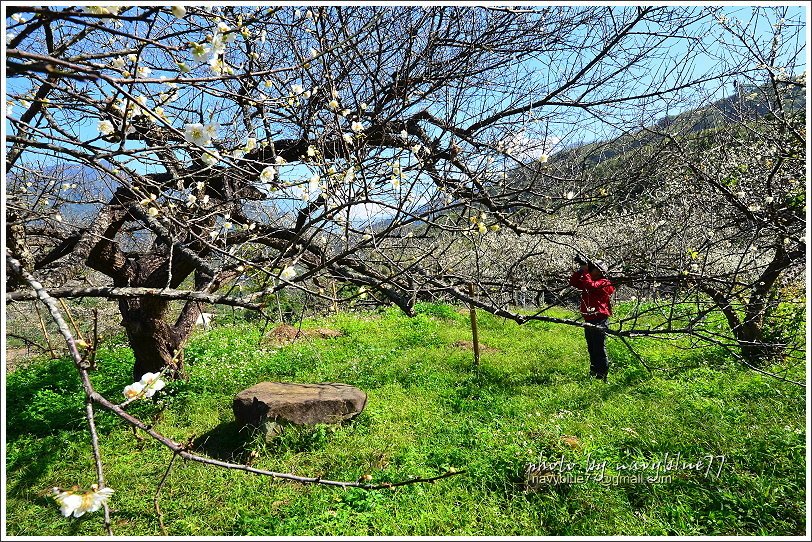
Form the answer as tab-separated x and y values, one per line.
155	343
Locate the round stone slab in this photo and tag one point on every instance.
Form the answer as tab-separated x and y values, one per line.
301	404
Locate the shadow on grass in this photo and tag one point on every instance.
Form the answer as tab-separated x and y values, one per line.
28	468
227	442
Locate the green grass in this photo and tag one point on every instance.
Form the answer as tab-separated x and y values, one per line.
427	411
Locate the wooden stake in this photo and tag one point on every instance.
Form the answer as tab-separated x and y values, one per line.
72	321
474	329
45	332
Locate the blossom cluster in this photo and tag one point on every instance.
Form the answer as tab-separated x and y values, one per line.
146	387
77	502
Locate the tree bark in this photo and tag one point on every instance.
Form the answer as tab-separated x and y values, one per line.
154	342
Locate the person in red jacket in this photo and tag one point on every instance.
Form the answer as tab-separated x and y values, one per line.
596	307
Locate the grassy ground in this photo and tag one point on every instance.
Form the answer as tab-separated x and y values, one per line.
428	410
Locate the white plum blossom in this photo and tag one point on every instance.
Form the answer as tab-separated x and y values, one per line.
196	133
199	52
313	183
143	71
179	11
77	502
102	10
219	66
151	383
218	46
268	174
224	30
333	105
118	62
349	175
137	107
296	89
288	273
210	157
347	138
160	113
105	127
133	390
357	127
211	129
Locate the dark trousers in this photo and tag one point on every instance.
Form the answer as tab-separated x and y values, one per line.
596	344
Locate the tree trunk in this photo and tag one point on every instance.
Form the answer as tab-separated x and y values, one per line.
755	350
154	342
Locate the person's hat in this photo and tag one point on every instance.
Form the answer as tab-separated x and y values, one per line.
600	264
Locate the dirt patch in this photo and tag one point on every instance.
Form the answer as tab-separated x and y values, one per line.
483	348
17	357
286	334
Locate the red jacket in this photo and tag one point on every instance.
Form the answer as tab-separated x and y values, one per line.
595	303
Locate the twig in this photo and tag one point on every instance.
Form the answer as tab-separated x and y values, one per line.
28	342
114	292
634	353
158	492
94	441
80	365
